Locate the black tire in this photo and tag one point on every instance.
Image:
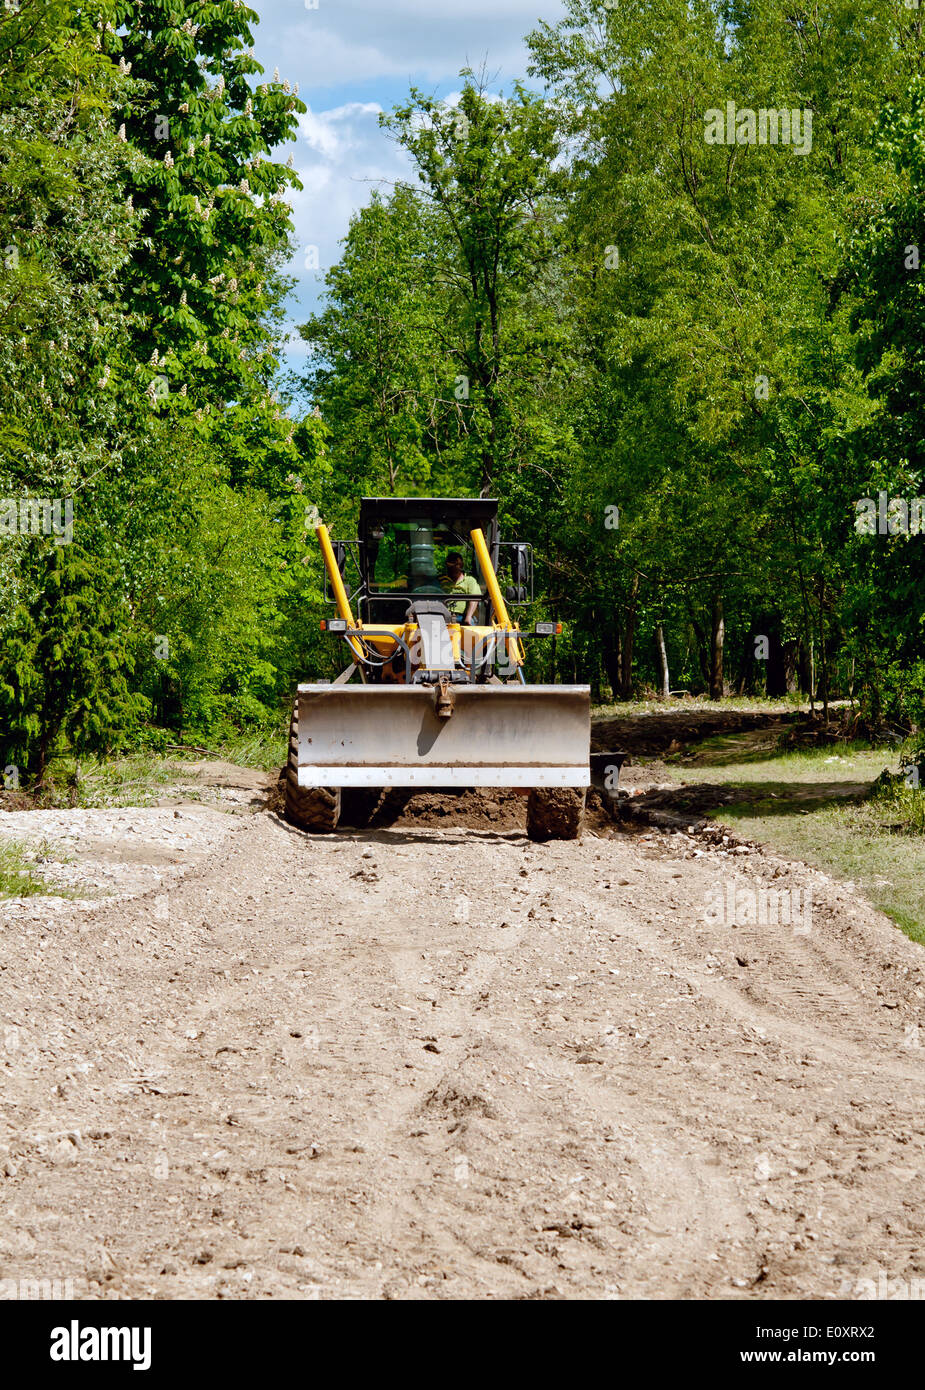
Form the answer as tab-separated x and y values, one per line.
555	813
311	808
358	806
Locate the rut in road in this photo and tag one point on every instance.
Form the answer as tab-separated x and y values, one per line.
452	1063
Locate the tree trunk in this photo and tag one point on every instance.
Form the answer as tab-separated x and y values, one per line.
776	673
701	636
812	671
716	649
823	656
665	680
610	655
41	763
629	636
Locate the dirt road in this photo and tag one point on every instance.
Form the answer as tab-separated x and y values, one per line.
445	1062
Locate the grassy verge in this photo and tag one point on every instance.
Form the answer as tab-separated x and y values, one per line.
141	779
814	805
133	781
264	750
17	878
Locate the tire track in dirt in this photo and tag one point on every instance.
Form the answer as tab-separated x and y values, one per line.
446	1063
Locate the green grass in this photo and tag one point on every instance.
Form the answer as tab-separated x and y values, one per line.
266	750
17	878
814	805
138	780
142	779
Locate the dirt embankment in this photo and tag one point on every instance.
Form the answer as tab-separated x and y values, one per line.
664	731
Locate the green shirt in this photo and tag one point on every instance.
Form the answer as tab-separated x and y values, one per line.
465	584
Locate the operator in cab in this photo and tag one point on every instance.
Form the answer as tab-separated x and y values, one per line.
456	581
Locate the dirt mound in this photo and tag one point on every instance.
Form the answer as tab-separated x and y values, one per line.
500	809
497	809
671	730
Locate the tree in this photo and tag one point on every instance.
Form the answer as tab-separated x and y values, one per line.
486	170
383	377
65	662
205	277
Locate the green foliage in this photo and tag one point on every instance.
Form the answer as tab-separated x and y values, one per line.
140	309
439	352
685	360
65	662
679	362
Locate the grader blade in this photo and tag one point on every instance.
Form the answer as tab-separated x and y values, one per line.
402	736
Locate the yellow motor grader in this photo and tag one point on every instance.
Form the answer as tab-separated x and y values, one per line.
435	694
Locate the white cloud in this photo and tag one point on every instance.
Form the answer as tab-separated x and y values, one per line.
331	133
295	349
360	40
341	156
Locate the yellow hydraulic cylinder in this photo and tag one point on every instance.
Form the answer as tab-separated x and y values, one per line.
337	586
515	650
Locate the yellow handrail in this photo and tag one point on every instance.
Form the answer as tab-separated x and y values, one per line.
495	594
337	586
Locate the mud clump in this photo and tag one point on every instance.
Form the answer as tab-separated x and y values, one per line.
555	813
456	1104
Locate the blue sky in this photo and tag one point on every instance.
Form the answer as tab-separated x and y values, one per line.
355	58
